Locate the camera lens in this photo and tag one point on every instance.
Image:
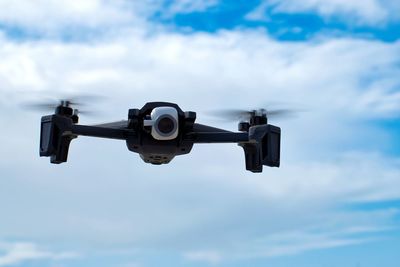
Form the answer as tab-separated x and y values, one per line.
166	125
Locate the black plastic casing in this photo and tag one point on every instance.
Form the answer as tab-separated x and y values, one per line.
271	147
261	142
155	151
263	148
54	143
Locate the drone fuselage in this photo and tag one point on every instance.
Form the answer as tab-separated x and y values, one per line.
160	131
146	141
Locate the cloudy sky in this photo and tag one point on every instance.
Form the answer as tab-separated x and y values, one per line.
335	201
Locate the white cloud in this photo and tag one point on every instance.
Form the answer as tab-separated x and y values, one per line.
203	204
21	252
48	15
358	12
188	6
130	264
211	257
91	17
297	242
342	75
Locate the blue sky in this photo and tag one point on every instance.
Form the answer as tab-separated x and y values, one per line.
335	200
284	26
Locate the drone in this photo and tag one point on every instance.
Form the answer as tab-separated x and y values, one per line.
159	131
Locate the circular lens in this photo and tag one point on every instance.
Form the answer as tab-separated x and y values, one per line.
166	125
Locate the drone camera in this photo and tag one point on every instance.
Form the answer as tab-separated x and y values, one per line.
163	122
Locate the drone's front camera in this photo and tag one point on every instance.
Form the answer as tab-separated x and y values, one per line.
163	122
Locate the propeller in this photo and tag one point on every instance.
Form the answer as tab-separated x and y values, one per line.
75	102
245	115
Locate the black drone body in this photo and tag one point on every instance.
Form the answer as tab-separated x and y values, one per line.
159	131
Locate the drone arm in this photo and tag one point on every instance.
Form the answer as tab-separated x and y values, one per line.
102	132
207	134
201	128
58	131
217	137
261	144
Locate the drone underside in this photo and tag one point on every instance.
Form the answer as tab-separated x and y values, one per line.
160	131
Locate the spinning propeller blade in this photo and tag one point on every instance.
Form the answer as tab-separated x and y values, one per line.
75	102
241	114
